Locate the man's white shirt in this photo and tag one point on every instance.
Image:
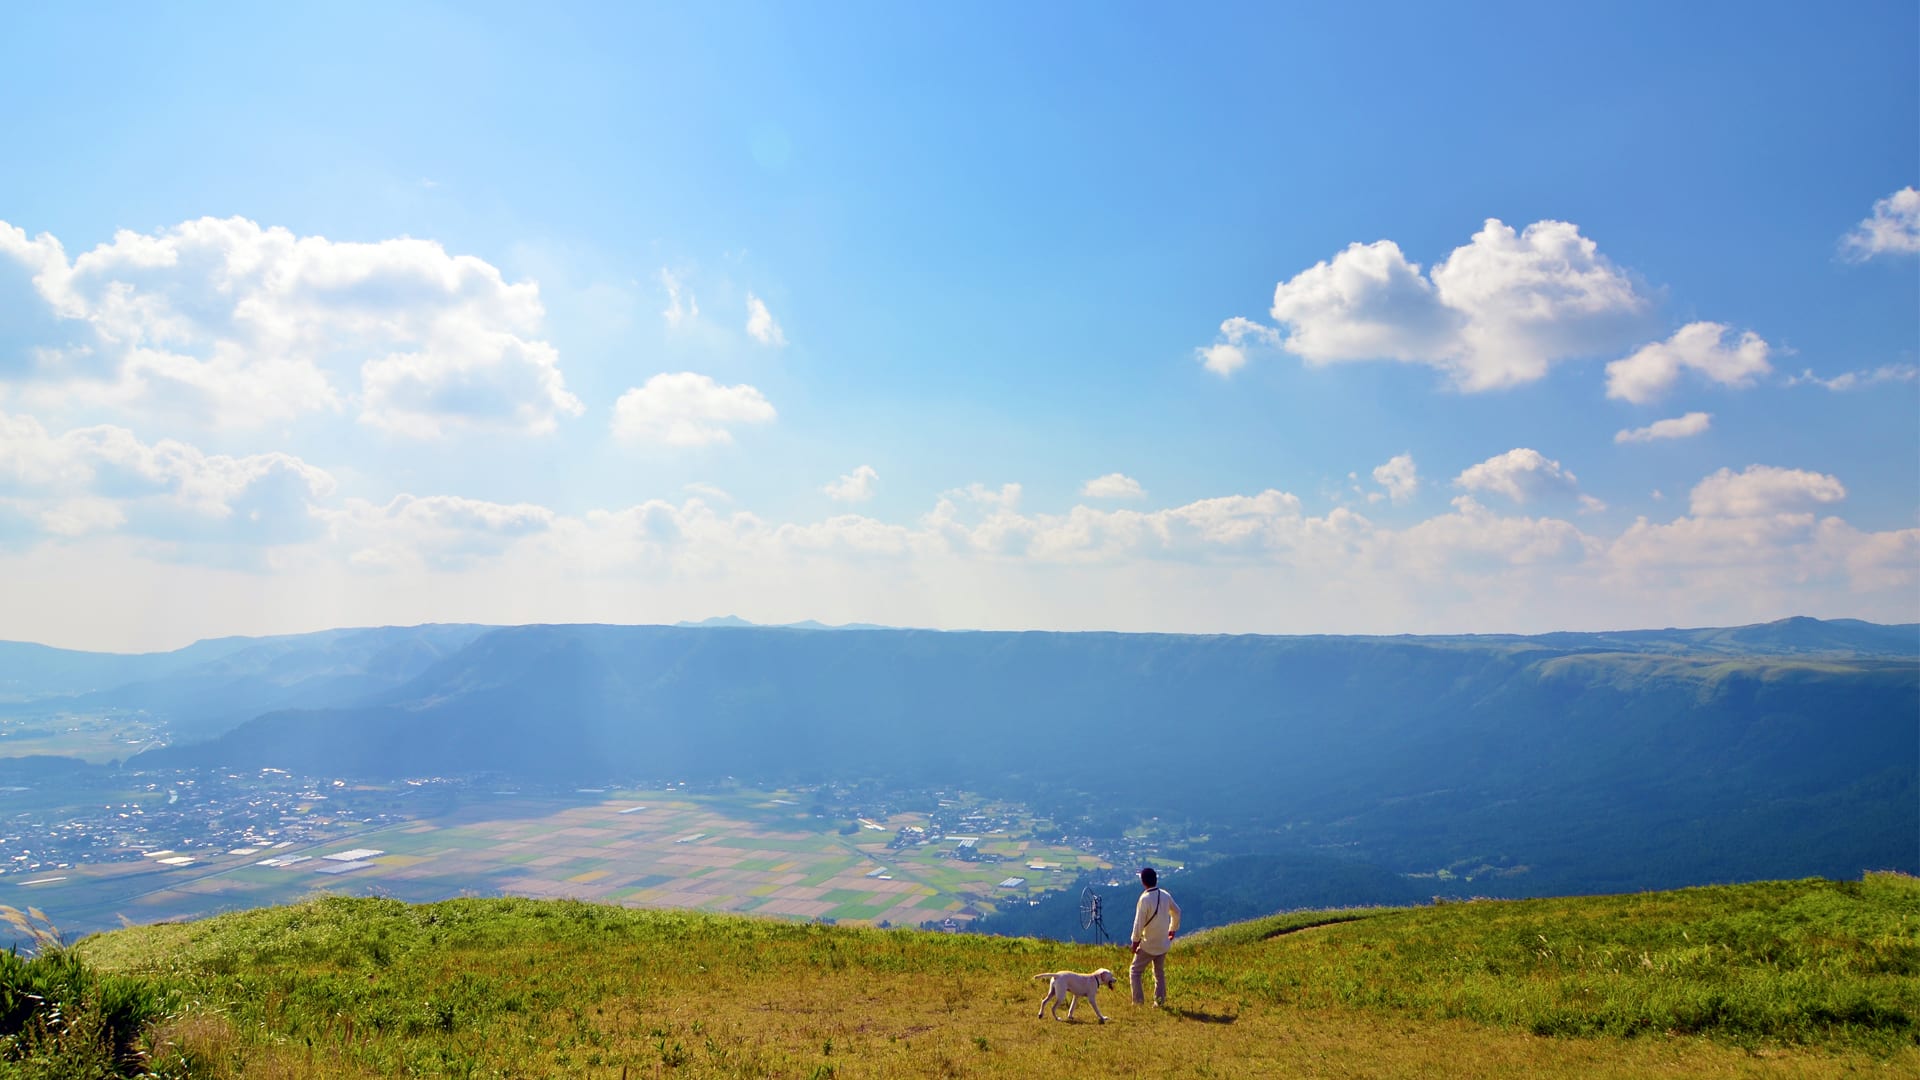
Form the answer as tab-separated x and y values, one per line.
1155	918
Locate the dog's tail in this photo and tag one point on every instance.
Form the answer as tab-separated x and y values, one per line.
1046	975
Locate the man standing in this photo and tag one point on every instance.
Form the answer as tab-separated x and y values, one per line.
1156	918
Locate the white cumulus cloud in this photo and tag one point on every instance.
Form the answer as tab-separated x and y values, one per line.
1521	474
1221	358
1679	427
687	409
1113	486
761	325
856	486
1495	313
1399	476
236	325
1700	347
1763	490
106	478
1893	229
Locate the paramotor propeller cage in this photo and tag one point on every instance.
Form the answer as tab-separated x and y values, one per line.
1090	918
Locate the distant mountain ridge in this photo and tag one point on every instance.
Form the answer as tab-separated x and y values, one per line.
803	624
30	671
1568	762
1796	636
211	686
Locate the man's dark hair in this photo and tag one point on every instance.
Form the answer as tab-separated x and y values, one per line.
1148	877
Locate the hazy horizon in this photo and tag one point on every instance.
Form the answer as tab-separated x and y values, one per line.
695	624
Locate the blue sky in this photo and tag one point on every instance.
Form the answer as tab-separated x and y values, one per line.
1392	319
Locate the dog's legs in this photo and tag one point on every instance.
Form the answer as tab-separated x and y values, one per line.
1072	1000
1043	1004
1094	1004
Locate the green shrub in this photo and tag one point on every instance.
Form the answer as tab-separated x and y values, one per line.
60	1018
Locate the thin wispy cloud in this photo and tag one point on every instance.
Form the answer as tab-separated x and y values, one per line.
711	492
683	308
1855	380
761	326
1679	427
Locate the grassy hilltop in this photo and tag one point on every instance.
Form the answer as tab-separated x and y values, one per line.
1810	977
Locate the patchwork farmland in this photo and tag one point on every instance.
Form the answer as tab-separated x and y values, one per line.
757	853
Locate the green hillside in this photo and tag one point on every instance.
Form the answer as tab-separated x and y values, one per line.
1810	977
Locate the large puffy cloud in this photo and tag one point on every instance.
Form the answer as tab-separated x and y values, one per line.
1761	490
1700	347
1532	297
233	324
1521	474
687	409
1892	229
104	478
1368	303
1495	313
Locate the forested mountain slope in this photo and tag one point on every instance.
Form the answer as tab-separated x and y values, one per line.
1549	764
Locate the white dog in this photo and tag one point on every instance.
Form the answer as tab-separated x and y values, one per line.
1070	987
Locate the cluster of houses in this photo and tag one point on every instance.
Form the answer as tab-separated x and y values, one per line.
177	817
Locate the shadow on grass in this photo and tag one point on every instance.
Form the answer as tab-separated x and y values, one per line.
1203	1017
